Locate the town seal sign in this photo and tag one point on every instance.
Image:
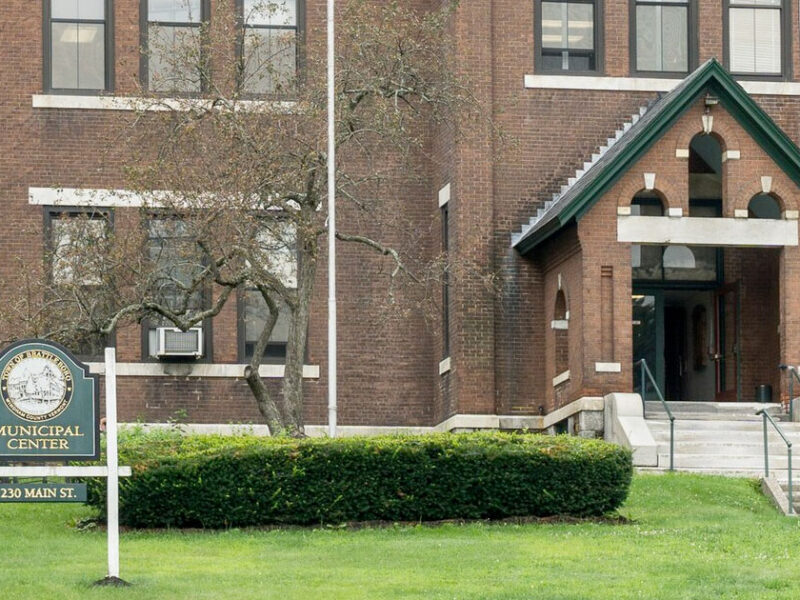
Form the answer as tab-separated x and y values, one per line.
36	385
49	404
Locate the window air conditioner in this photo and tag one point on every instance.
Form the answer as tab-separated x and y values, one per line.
174	342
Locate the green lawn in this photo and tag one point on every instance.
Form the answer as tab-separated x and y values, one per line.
691	537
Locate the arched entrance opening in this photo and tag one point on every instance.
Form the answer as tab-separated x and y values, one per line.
706	317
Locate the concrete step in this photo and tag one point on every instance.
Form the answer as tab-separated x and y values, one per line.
729	448
717	462
687	409
727	440
714	425
661	415
750	473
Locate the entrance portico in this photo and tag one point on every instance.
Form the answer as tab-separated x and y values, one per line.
677	244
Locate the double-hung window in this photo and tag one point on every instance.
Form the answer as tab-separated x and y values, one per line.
757	37
661	36
269	50
78	45
76	243
173	59
176	264
568	37
277	255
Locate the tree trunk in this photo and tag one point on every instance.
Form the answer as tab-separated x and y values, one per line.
296	346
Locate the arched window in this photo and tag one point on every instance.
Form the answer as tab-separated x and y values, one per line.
705	176
561	329
764	206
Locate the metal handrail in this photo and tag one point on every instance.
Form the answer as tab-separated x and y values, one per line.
645	373
763	412
792	373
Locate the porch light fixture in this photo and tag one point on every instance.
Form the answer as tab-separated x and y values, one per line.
708	118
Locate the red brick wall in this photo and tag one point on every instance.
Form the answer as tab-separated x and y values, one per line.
500	342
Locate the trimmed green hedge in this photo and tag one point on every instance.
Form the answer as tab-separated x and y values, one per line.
215	481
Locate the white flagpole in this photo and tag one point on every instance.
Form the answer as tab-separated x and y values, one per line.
331	228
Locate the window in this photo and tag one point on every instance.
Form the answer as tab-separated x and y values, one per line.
764	206
78	45
561	329
176	263
269	50
757	36
173	60
568	36
75	245
277	253
661	36
254	311
75	238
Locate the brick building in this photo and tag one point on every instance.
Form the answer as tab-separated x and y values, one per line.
647	208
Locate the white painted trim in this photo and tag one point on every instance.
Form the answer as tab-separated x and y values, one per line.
585	403
607	367
791	214
96	197
561	324
617	84
60	471
674	212
132	103
444	366
645	84
682	153
469	422
624	210
766	184
455	422
444	195
727	155
263	431
187	369
561	378
700	231
740	213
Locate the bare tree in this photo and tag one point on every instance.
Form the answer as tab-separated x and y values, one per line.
230	178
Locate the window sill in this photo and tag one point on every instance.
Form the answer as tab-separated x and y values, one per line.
648	84
157	369
132	103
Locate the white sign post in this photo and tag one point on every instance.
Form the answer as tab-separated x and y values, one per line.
112	456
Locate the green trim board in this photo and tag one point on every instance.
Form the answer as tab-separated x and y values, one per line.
710	77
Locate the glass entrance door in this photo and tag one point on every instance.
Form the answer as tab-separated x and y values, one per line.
648	339
727	356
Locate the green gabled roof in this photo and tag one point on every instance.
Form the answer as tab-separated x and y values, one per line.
605	172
